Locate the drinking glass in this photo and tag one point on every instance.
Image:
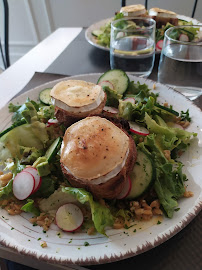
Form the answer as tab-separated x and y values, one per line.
132	46
180	63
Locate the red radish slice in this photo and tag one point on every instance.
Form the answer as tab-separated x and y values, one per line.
69	217
23	185
138	129
158	50
159	45
184	37
131	100
106	83
52	122
110	110
120	35
126	190
36	176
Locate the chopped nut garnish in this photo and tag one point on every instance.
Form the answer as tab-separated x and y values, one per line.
186	124
5	178
91	231
43	244
188	194
167	154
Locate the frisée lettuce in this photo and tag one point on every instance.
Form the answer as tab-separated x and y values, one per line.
169	183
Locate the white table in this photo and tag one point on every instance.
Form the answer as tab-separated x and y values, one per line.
12	81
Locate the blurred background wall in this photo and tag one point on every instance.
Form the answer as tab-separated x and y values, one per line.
33	20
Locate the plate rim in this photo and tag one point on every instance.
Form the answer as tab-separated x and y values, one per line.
196	208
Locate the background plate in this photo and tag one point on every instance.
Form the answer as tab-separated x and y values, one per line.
91	39
69	248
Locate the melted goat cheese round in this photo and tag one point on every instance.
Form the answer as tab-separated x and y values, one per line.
162	13
94	150
77	96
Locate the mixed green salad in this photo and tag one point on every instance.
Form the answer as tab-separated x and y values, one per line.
102	35
34	140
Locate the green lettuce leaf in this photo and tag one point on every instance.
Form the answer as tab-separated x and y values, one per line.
13	108
29	112
15	167
167	136
40	131
48	186
46	112
136	112
25	111
140	92
144	102
27	135
169	182
112	97
101	215
191	32
30	208
103	38
7	190
29	155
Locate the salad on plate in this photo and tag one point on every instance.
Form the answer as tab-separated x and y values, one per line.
165	19
89	157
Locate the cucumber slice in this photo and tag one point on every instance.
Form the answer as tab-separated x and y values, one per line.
96	33
167	109
45	97
53	149
118	78
16	124
142	176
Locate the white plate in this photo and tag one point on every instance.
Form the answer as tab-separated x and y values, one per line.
121	243
91	39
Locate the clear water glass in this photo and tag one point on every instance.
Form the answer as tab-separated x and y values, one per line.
132	46
180	63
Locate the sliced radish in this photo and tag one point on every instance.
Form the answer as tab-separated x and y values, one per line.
139	130
69	217
52	122
158	50
36	176
106	83
130	99
126	190
120	35
110	110
159	44
23	185
184	37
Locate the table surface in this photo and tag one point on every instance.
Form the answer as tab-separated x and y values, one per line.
66	52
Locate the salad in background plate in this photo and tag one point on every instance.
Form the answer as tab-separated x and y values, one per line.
164	20
32	179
